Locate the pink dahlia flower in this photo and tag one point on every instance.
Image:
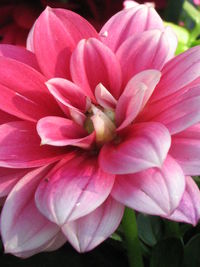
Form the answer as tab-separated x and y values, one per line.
91	123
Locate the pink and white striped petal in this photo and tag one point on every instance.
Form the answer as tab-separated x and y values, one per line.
104	97
89	231
185	148
75	189
93	57
19	233
188	210
134	97
57	131
53	54
20	147
144	146
154	191
127	23
146	50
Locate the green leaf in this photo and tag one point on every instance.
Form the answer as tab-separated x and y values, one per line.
192	252
167	253
192	11
149	229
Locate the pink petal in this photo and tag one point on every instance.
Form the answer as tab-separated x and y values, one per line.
154	191
89	231
127	23
75	189
61	30
20	147
5	117
135	96
177	112
144	146
90	65
104	97
59	240
68	93
57	131
185	148
178	73
8	179
146	50
23	92
23	228
188	210
20	54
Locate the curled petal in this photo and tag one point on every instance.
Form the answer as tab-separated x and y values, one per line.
144	146
127	23
63	30
90	65
19	233
57	131
104	97
188	210
73	190
154	191
89	231
146	50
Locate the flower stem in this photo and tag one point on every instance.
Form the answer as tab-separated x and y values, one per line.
132	243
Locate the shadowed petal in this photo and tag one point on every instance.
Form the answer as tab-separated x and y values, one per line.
89	231
75	189
145	146
154	191
188	210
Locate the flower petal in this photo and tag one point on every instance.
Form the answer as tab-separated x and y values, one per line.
178	73
5	117
23	228
63	30
20	54
177	112
8	179
57	131
188	210
135	96
75	189
104	97
90	65
127	23
146	50
89	231
23	92
20	147
154	191
144	146
185	148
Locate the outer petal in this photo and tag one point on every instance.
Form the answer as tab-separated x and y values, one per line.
178	73
89	231
177	112
58	131
60	30
20	147
20	54
144	146
146	50
128	22
5	117
8	179
185	149
135	96
23	228
75	189
23	92
90	65
154	191
188	210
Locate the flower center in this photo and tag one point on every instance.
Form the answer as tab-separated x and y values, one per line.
102	121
